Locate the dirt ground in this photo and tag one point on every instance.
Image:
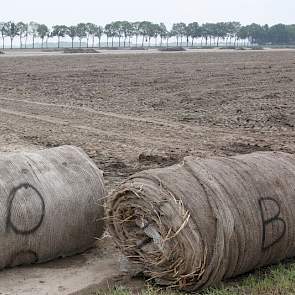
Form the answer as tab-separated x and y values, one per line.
131	112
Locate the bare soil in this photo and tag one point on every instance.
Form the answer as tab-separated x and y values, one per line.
131	112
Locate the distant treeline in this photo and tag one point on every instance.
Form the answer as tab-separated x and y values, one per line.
144	32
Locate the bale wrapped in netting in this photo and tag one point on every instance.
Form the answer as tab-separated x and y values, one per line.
194	224
49	205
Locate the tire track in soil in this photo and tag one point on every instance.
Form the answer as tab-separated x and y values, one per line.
161	123
162	135
57	121
144	132
106	152
113	152
107	114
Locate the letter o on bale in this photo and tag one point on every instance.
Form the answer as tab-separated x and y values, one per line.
50	205
194	224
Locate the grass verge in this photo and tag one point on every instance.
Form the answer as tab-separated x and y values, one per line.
275	280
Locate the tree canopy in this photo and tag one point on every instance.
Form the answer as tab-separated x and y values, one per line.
208	34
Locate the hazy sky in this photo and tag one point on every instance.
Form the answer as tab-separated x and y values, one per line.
168	11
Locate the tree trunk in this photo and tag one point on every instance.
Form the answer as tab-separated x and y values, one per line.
20	42
99	41
167	42
42	43
80	42
3	41
93	41
129	41
107	41
187	40
119	41
217	41
11	39
192	42
161	42
142	41
72	42
58	41
136	40
177	41
33	42
112	42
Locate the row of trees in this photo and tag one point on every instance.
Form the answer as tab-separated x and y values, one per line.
209	34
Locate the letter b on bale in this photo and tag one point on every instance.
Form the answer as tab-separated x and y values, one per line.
50	205
269	223
194	224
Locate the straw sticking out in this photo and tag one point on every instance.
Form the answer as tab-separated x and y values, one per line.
191	225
